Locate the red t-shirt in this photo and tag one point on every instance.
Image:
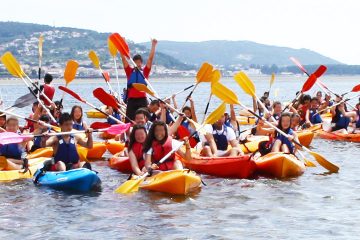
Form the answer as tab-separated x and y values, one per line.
49	91
132	92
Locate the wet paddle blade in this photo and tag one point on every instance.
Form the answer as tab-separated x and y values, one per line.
216	114
70	71
130	186
94	58
100	125
120	44
309	83
143	88
112	48
72	93
325	163
12	65
224	93
24	101
320	71
356	88
245	83
297	63
105	98
309	163
205	73
118	128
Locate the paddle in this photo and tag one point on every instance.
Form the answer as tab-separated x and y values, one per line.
113	52
319	158
203	75
23	101
272	79
10	137
15	69
41	40
132	185
355	89
99	125
76	96
120	43
69	74
215	78
181	91
224	93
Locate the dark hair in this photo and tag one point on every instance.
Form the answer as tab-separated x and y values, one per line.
64	117
319	92
48	78
3	115
73	111
143	111
285	114
155	102
276	103
294	115
314	99
35	103
151	135
44	118
132	135
137	57
304	98
266	93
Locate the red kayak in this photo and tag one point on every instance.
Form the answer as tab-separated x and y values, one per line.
121	164
225	167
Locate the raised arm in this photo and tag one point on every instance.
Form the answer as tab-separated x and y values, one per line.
192	106
87	144
152	53
124	61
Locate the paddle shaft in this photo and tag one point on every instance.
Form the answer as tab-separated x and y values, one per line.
181	91
147	81
189	96
206	108
26	118
117	79
265	109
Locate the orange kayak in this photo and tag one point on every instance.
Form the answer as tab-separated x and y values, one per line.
225	167
115	146
121	164
279	165
97	151
305	137
41	152
105	135
351	137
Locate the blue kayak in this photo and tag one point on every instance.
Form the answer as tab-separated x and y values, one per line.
79	180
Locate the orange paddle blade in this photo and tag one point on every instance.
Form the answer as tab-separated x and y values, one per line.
224	93
143	88
94	58
320	71
112	48
70	71
120	44
216	75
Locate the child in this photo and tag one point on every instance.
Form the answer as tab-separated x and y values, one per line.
312	116
283	144
136	154
77	117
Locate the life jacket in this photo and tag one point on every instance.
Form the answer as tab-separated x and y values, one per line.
37	144
135	77
185	130
276	116
220	139
137	148
115	115
30	124
49	91
159	151
12	150
285	140
169	117
340	121
78	126
67	152
235	128
302	112
314	117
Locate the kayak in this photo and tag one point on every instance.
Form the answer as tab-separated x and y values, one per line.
105	135
97	151
180	182
41	152
279	165
114	146
350	137
305	137
121	164
93	113
224	167
78	180
246	120
10	175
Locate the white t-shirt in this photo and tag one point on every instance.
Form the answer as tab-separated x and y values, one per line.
229	133
174	144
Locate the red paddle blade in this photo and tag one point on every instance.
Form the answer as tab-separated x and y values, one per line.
99	125
320	71
118	128
10	137
105	98
309	83
120	44
75	95
106	76
356	88
297	63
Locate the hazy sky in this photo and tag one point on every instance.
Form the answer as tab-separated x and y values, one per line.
329	27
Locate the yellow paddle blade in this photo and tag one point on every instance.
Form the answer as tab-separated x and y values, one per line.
325	163
41	40
216	114
112	49
130	186
12	65
245	83
56	129
205	73
94	58
3	163
216	75
70	71
272	79
143	88
224	93
309	163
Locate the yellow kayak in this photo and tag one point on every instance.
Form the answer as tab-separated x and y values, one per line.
246	120
93	113
180	182
10	175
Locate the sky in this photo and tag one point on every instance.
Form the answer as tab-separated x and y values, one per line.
328	27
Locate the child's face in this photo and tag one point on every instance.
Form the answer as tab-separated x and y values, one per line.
295	121
67	126
285	123
77	114
12	126
140	136
277	108
314	104
160	132
2	122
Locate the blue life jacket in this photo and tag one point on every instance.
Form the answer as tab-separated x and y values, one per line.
285	140
276	116
67	152
135	77
358	121
169	117
112	121
221	139
261	114
78	126
341	122
187	125
12	150
314	117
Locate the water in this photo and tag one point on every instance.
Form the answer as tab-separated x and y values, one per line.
315	205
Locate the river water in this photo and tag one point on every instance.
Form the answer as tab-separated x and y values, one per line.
314	205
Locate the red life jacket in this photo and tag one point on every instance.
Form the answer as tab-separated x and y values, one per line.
137	148
303	111
49	91
182	132
159	151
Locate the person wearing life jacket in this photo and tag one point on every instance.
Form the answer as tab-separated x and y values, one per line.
154	110
282	143
135	149
166	114
55	110
341	118
312	116
158	144
77	117
29	124
48	89
13	154
295	122
66	156
326	103
276	113
137	99
319	97
217	139
303	107
113	112
231	121
39	129
357	122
